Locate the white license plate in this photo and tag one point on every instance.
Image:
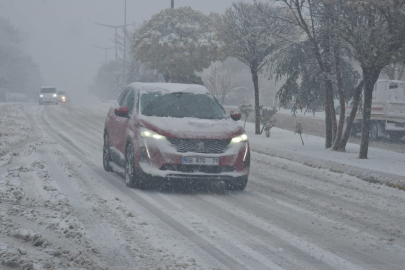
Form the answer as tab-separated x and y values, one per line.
200	161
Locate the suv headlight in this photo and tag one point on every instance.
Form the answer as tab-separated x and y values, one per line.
41	95
241	138
55	95
146	133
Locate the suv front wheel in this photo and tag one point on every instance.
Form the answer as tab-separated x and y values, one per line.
132	178
106	153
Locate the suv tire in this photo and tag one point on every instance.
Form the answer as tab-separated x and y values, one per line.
106	153
132	177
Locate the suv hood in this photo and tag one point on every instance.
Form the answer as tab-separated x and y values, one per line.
192	128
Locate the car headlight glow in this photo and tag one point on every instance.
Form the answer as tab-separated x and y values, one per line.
55	95
146	133
241	138
41	95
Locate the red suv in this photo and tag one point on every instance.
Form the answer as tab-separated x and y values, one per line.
173	132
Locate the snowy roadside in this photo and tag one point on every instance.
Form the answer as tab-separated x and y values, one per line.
51	217
37	229
299	113
384	167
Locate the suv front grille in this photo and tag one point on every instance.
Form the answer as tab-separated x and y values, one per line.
199	145
197	168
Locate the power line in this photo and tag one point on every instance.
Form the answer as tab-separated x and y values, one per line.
116	35
105	49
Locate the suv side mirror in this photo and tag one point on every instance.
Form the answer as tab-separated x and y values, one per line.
235	115
122	112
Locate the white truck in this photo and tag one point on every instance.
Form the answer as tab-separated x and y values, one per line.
387	111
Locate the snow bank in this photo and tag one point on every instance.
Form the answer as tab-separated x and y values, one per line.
382	166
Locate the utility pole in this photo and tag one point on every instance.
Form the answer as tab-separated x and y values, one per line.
106	51
116	35
125	37
172	3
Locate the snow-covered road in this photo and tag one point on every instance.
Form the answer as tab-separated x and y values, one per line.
289	217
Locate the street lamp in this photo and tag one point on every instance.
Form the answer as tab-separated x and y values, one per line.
105	49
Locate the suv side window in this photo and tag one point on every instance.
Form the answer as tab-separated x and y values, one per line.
121	99
130	101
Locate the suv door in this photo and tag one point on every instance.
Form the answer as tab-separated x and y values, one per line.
123	123
113	127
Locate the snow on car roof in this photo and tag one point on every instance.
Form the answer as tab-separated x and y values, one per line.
171	87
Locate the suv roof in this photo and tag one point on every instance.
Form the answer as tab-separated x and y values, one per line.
171	87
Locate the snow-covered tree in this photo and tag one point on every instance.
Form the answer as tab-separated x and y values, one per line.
395	71
375	30
245	110
321	64
219	81
308	16
305	83
250	36
267	119
177	43
18	73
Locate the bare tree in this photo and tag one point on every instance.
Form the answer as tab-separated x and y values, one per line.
395	71
219	81
246	35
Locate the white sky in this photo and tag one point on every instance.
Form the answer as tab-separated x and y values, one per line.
61	32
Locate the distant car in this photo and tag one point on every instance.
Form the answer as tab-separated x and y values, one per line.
174	132
63	97
48	95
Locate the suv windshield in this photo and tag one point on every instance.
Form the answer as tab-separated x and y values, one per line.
181	105
48	90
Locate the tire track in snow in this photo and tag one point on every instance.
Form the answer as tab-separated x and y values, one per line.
353	205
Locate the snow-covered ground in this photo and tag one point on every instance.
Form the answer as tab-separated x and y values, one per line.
60	210
286	144
299	113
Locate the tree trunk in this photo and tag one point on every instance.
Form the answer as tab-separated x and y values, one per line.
327	73
370	76
328	126
166	76
255	79
338	139
330	114
350	120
